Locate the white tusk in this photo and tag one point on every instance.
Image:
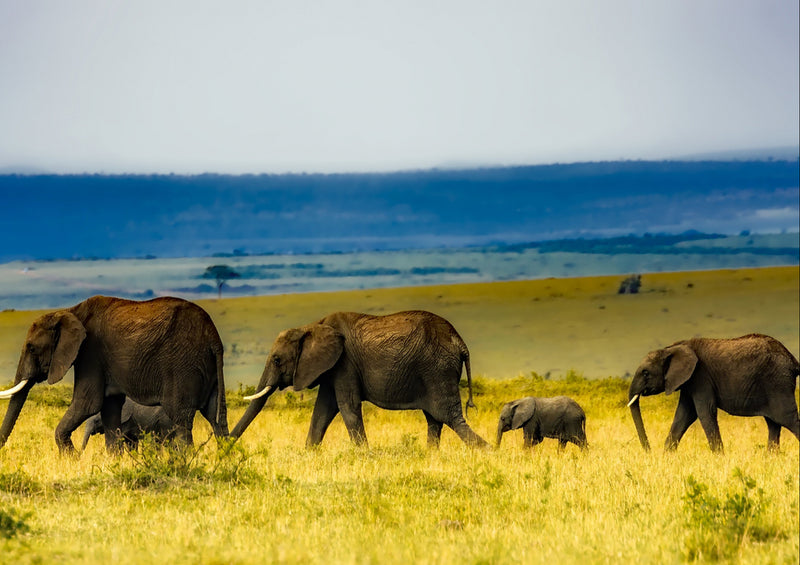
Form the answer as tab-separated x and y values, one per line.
259	394
12	391
634	399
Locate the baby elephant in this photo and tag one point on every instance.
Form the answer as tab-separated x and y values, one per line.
137	419
558	417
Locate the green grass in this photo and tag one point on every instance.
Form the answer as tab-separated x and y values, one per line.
267	499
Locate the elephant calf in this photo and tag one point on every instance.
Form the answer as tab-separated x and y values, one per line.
559	417
136	420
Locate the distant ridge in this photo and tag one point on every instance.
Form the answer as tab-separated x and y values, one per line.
66	216
778	153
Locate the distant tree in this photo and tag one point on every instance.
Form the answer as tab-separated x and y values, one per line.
220	273
630	285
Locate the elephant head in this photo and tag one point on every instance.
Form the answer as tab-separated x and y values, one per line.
298	357
514	415
50	348
663	370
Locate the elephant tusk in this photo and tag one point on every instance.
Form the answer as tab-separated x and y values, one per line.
258	394
12	391
634	399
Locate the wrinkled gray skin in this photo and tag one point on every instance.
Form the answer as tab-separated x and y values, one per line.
137	420
558	417
164	352
752	375
403	361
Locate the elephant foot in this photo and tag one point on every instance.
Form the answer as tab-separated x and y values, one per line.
68	450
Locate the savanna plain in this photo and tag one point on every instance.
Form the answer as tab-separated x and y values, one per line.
268	499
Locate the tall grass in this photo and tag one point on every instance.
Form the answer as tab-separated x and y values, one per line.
267	499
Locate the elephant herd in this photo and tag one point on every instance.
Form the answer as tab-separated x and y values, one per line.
150	366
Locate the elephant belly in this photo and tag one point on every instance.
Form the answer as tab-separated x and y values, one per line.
750	402
395	392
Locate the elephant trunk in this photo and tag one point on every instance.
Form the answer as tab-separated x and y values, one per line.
14	408
500	431
252	411
636	414
257	402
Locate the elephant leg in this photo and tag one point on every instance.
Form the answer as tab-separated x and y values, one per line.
219	422
794	425
434	430
774	440
183	418
786	417
348	398
707	414
460	427
562	444
532	434
685	416
76	414
527	436
111	416
354	422
325	410
87	400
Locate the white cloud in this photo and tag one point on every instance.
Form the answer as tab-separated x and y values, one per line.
777	214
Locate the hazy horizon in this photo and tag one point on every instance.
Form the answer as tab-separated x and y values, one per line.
252	87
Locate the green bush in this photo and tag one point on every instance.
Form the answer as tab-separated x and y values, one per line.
13	523
718	526
156	465
18	482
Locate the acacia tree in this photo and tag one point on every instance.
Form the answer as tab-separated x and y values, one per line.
220	273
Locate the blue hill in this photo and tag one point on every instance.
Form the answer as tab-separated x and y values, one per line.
55	216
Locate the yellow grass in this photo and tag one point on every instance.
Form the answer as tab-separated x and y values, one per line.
270	500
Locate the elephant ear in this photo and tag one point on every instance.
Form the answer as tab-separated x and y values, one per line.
681	360
69	334
320	348
523	412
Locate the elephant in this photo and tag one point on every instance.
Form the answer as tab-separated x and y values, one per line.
751	375
558	417
404	361
136	419
164	351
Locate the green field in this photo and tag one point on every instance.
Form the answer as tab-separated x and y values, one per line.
268	499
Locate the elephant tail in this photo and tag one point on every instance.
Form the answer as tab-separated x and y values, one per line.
468	367
222	405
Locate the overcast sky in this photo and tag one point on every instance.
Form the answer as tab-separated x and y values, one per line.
260	86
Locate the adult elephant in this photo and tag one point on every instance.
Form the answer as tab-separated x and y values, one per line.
136	420
164	352
403	361
752	375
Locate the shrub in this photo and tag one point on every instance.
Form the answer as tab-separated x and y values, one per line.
719	525
157	465
18	482
13	523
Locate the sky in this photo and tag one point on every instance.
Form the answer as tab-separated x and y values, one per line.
271	87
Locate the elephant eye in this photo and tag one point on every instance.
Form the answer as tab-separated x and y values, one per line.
645	373
276	361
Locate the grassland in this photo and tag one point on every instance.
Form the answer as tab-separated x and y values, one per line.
267	499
